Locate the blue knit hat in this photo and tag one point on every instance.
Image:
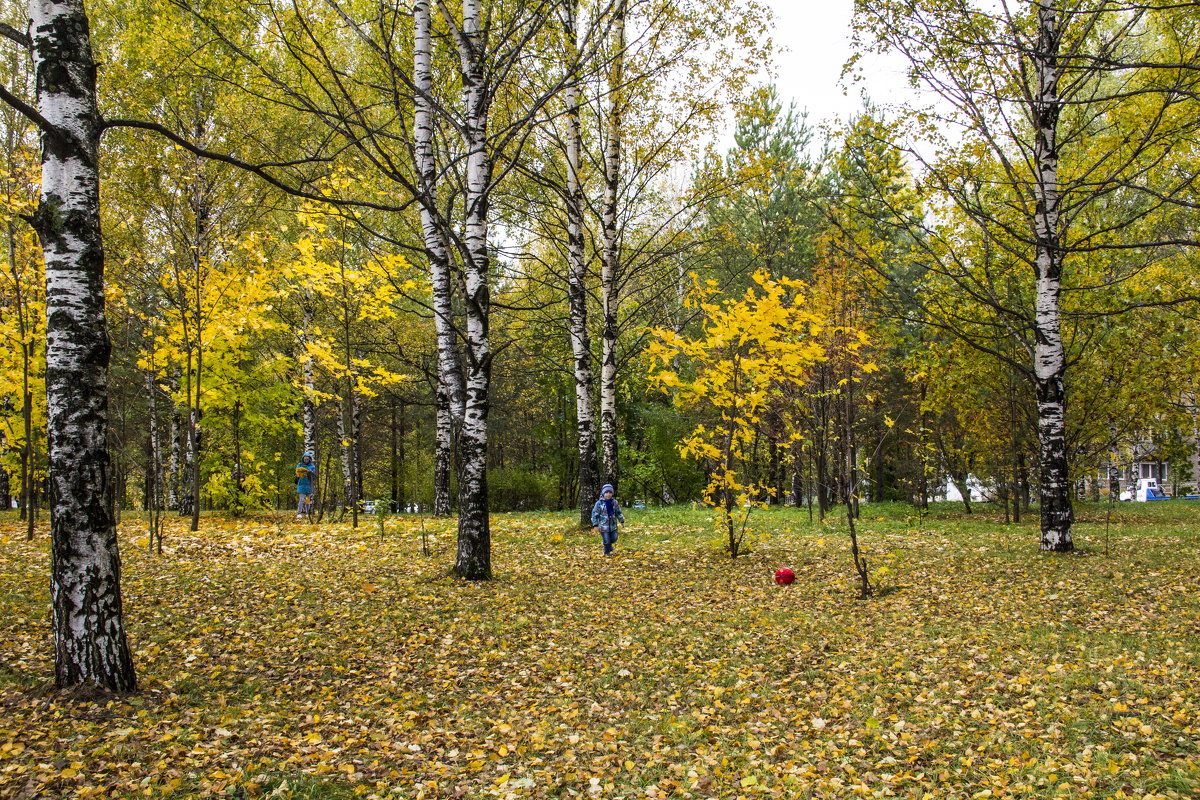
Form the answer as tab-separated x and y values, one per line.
606	488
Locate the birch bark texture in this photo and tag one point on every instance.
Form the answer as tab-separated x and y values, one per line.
308	407
85	565
474	558
581	346
175	436
154	465
1049	361
610	249
451	393
200	207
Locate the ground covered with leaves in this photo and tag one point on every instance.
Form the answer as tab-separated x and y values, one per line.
279	659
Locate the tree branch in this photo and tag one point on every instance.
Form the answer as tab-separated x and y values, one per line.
20	37
256	169
29	112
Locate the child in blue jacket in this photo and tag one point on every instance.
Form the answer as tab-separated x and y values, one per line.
605	516
306	478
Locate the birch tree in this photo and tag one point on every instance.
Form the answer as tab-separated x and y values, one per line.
348	292
752	353
450	392
1051	136
604	191
308	403
610	248
188	249
577	295
85	563
670	68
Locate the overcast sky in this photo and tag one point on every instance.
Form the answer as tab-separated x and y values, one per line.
813	42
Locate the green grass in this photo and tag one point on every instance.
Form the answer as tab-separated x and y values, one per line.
342	664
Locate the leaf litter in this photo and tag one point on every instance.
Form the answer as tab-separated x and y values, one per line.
308	662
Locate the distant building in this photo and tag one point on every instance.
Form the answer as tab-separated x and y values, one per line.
1144	461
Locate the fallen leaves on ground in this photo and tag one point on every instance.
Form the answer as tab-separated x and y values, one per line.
279	659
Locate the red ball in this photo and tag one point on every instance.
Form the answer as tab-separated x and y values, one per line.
784	576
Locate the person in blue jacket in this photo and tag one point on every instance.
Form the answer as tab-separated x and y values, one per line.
306	478
605	516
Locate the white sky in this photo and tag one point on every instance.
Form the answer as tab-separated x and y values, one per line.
812	40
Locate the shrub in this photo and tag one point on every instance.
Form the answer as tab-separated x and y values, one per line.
518	489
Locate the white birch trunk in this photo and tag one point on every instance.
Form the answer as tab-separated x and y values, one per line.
356	446
443	454
451	393
1049	354
308	408
85	564
202	212
610	255
175	434
186	498
581	348
473	560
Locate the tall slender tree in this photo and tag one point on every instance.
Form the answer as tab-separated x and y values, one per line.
577	294
1065	117
85	562
451	392
611	248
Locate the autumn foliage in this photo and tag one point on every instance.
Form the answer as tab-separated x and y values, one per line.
746	376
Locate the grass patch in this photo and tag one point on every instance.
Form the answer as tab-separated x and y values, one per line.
279	659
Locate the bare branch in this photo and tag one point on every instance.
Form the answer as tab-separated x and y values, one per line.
29	112
20	37
256	169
